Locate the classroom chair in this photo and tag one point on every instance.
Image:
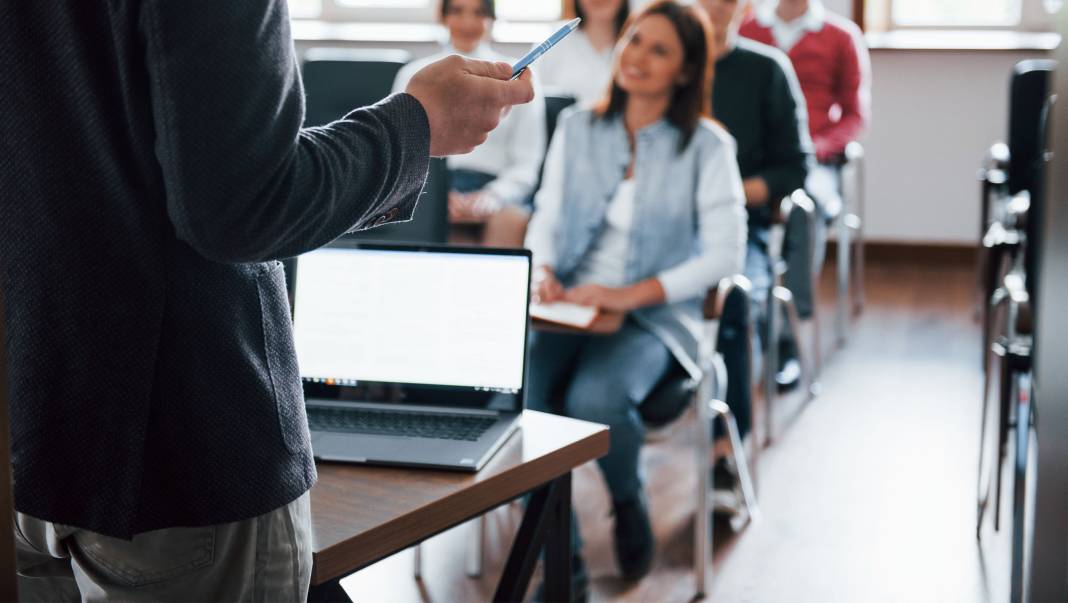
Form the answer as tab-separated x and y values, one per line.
338	80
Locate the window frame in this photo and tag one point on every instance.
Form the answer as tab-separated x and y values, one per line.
877	16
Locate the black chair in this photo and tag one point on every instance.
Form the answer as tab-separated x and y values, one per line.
677	390
338	80
1014	241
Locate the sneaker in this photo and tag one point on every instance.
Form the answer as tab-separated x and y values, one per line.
726	489
789	375
580	583
633	538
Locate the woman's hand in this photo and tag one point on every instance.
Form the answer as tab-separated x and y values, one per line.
474	207
546	288
606	298
618	299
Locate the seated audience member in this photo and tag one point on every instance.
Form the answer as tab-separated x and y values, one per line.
494	184
641	211
756	96
581	64
831	60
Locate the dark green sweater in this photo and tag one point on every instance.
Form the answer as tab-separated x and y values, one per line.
756	96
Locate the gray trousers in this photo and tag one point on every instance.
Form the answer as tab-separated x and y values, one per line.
266	558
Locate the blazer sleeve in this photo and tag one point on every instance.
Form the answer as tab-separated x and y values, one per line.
243	181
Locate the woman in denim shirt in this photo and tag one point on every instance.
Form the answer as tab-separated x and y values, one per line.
641	210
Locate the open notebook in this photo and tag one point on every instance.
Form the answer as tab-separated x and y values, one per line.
563	313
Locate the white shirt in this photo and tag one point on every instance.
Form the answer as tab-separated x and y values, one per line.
512	152
720	207
788	33
606	262
575	67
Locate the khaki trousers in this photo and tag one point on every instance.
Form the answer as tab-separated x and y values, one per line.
266	558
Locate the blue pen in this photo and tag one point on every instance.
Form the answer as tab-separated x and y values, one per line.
531	56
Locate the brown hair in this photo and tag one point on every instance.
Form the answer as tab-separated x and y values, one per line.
690	101
573	8
487	5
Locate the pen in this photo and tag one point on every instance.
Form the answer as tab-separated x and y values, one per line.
531	56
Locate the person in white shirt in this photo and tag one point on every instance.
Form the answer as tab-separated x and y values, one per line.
494	184
581	64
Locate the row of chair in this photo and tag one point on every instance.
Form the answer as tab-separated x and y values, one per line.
336	80
1012	201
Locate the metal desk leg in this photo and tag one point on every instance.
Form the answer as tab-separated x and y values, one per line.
546	523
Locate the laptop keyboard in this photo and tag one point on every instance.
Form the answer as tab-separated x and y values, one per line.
384	422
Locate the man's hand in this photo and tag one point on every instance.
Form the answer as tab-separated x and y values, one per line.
464	100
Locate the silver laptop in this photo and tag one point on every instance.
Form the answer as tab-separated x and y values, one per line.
412	355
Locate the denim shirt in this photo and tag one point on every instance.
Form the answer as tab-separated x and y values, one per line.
689	223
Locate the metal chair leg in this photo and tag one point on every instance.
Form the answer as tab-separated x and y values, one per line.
702	531
842	268
417	562
476	536
1022	396
1004	406
786	299
721	409
771	363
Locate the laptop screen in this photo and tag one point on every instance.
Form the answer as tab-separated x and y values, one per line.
439	326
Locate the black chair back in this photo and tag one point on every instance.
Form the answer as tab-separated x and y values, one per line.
338	80
430	224
554	105
1036	213
1028	91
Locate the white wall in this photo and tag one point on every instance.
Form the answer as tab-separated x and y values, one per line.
934	114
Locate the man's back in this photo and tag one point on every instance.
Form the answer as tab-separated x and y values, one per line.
152	168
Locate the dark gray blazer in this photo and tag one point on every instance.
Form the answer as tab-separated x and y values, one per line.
152	169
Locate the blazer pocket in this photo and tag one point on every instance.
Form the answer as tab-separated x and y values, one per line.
149	558
282	359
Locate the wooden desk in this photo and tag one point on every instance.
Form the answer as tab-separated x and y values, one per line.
363	514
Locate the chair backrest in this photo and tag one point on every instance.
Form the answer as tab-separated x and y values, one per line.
1028	91
338	80
555	103
728	303
1037	213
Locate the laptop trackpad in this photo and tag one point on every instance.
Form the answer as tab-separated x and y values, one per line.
355	447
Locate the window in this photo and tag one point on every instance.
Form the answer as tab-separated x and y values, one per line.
951	13
1020	15
414	10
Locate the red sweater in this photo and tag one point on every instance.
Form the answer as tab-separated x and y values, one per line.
833	69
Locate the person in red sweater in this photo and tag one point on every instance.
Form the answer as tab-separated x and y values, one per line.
831	61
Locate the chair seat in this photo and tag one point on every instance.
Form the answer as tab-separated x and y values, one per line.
669	399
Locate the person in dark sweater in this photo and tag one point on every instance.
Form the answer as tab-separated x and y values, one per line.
153	170
756	96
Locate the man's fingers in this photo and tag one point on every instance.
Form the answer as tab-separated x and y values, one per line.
496	70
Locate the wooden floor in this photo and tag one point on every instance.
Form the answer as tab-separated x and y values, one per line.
867	493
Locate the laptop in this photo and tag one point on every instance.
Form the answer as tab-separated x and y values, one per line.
412	355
